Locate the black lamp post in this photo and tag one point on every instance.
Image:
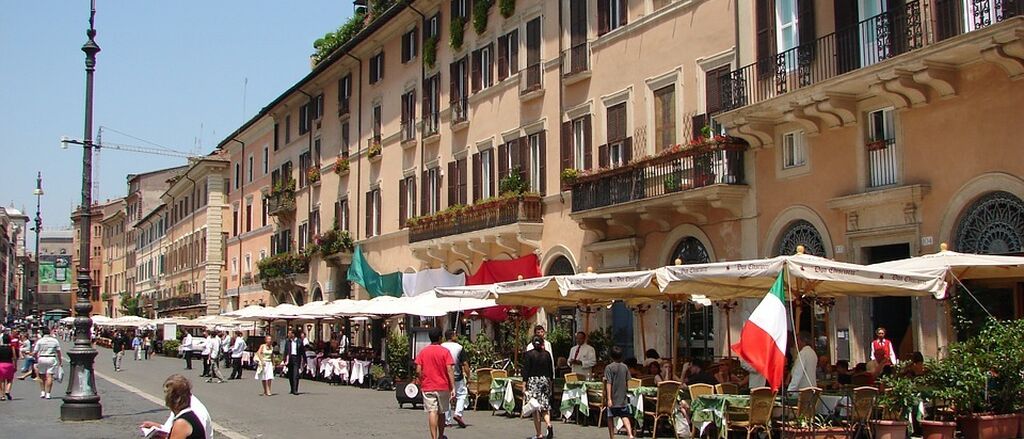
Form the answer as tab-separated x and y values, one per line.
82	403
30	302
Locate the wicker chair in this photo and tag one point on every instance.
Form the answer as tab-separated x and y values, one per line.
698	390
759	415
499	373
634	383
863	407
648	381
805	409
727	389
664	405
595	401
572	377
480	387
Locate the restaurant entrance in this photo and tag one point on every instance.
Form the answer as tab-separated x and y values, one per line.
892	313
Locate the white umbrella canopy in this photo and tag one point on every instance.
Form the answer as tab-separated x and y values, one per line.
429	304
130	321
963	266
344	307
808	275
249	311
67	320
99	318
383	305
555	291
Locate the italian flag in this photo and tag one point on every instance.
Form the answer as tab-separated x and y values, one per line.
763	339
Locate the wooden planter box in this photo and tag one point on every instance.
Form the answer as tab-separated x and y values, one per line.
938	430
818	433
989	426
889	429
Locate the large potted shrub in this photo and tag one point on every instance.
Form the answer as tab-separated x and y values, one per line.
897	401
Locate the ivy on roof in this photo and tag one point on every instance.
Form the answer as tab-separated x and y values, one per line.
357	22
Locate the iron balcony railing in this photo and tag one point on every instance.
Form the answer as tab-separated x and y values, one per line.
179	302
882	163
500	212
530	79
576	59
460	109
869	42
408	130
711	163
281	202
430	124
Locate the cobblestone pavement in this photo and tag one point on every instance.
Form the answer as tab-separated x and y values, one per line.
320	411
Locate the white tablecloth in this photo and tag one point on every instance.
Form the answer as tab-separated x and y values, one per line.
360	369
829	403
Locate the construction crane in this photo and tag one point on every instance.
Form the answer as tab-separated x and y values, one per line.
99	145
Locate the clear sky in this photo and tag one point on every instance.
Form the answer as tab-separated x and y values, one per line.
170	72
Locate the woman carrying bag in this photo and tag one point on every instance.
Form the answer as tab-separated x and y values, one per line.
265	364
537	376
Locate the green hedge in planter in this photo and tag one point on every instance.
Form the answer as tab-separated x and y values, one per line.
170	348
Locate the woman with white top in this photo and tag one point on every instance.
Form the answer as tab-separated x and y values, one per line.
48	361
265	364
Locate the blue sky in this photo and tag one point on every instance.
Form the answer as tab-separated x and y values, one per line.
170	72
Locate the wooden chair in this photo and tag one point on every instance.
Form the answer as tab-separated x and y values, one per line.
759	414
727	389
634	383
572	377
863	406
698	390
595	401
664	405
480	387
499	373
648	381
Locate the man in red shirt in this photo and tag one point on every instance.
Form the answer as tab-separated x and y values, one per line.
435	369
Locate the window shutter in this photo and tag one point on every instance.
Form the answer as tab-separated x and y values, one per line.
455	8
502	57
453	75
697	122
566	149
403	202
524	159
946	13
476	177
503	163
475	71
427	92
462	189
765	21
627	150
437	186
603	159
452	199
424	201
369	214
412	190
490	178
490	65
623	12
542	153
405	48
588	141
380	72
373	70
805	21
513	55
713	89
415	42
847	34
602	17
380	214
337	214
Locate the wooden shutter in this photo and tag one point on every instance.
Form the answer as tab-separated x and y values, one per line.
602	17
475	71
424	201
627	150
490	66
452	199
403	202
380	73
533	42
513	52
405	48
623	12
415	43
523	149
713	89
765	21
462	188
503	163
697	123
543	158
368	210
806	29
588	141
411	189
603	158
437	188
565	149
373	70
502	57
848	35
453	94
476	177
490	178
425	99
380	215
947	13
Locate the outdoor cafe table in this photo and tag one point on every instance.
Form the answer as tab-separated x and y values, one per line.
636	401
708	409
501	393
574	396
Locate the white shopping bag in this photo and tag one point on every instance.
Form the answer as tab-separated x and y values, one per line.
531	406
682	424
59	376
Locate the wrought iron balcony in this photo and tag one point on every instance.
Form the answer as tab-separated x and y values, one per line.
460	110
430	124
484	215
717	161
576	60
530	79
179	302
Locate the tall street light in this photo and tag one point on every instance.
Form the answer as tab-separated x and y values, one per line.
30	302
82	403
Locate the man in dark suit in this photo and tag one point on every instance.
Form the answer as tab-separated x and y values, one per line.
294	355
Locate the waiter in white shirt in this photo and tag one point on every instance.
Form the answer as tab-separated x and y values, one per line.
582	357
539	331
186	349
237	349
805	366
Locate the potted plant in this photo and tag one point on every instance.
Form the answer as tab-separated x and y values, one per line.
313	174
341	165
671	183
897	401
569	176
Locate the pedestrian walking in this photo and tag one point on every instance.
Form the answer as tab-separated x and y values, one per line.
616	384
436	372
186	349
48	361
146	347
237	349
7	360
28	368
215	354
461	369
118	344
294	355
137	347
538	375
225	349
204	353
265	364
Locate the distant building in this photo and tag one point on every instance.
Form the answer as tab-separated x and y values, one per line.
56	272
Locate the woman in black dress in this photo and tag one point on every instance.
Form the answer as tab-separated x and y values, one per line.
178	397
537	375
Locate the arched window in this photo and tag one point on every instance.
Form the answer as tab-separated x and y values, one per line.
560	266
801	232
696	325
691	251
318	295
993	224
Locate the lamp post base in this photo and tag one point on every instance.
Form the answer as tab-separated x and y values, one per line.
71	411
82	403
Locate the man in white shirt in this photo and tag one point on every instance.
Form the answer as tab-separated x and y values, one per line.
202	345
582	357
225	348
213	343
539	331
237	349
802	375
186	349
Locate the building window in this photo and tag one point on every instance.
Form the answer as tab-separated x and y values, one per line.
458	90
410	41
409	116
993	224
508	54
314	225
457	177
277	136
238	175
483	68
263	213
378	121
460	8
344	93
376	68
305	163
793	150
234	266
234	222
433	26
305	117
248	215
248	263
431	104
341	215
252	163
287	129
786	17
665	118
533	67
883	163
345	142
303	236
620	146
535	144
431	180
373	213
580	142
611	15
484	178
266	160
406	200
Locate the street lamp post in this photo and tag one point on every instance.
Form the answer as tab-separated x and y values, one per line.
30	301
82	403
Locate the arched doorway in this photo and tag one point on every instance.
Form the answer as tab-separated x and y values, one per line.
812	318
992	224
696	324
565	319
801	232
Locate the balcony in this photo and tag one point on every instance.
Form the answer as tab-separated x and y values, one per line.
460	110
819	83
430	124
374	148
408	131
505	222
281	202
530	82
281	272
179	302
576	63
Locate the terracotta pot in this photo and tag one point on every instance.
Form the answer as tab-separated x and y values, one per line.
989	426
938	429
889	429
818	433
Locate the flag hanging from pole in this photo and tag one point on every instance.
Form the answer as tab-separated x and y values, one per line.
763	339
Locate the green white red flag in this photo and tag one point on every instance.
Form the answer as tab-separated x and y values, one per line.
763	339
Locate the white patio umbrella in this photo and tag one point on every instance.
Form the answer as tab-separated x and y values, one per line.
130	321
962	266
248	311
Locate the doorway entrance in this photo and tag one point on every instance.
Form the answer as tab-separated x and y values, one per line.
892	313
